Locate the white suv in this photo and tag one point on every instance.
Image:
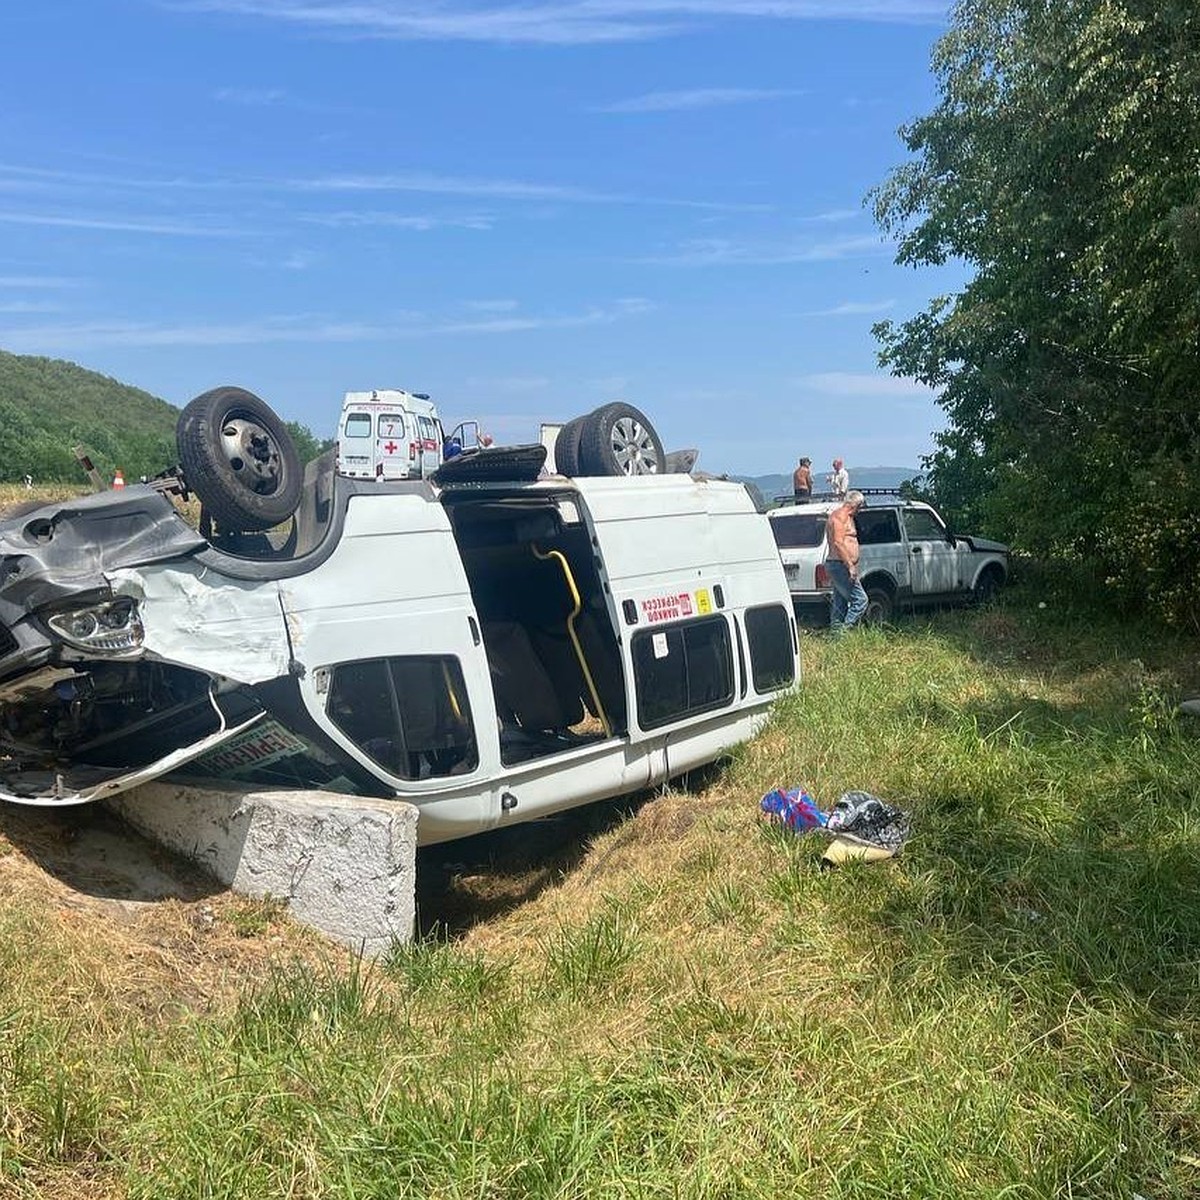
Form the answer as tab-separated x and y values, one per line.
908	557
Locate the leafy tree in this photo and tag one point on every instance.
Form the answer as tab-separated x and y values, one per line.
308	445
1062	164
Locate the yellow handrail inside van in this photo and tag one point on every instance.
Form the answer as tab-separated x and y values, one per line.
451	695
575	611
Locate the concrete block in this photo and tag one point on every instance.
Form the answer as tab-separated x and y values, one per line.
346	865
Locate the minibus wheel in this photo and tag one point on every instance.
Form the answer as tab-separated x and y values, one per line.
566	448
618	439
239	458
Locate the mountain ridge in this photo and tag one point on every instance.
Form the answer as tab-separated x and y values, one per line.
860	477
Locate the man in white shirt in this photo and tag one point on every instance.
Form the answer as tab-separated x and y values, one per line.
839	481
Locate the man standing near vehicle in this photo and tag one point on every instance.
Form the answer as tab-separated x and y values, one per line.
802	480
839	481
849	601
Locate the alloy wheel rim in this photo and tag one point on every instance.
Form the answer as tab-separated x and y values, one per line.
633	448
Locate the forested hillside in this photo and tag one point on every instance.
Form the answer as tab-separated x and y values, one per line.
47	406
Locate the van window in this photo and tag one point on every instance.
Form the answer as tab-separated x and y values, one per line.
358	425
798	530
772	658
428	433
681	669
410	715
391	425
877	528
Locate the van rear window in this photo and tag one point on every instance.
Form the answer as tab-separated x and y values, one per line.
797	530
772	651
358	425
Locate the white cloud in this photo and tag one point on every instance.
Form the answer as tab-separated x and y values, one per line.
37	281
494	189
561	23
418	181
388	220
493	306
251	97
28	306
683	101
833	215
853	308
724	252
34	339
186	228
856	385
73	337
421	182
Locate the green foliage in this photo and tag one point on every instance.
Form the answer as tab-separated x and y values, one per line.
47	406
308	445
1060	164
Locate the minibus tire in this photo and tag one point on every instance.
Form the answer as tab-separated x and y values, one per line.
239	459
618	439
566	448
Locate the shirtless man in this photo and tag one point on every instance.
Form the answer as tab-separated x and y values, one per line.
802	479
849	601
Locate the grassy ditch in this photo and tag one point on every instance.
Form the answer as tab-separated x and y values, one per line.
692	1008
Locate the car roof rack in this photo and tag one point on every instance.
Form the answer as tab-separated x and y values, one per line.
789	498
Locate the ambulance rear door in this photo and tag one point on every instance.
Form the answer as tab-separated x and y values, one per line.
396	456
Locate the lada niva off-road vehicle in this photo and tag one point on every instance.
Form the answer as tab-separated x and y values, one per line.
487	644
908	557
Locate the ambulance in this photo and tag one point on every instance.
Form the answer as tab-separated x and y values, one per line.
388	434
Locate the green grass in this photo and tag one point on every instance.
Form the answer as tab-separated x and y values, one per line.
1011	1008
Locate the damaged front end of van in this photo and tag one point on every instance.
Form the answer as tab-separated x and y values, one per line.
93	699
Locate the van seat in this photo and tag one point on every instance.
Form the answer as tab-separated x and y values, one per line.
525	693
557	651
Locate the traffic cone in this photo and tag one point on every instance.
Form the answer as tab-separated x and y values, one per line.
118	479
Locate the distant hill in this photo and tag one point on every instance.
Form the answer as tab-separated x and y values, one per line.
860	477
48	405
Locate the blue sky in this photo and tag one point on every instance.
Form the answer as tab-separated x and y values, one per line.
525	210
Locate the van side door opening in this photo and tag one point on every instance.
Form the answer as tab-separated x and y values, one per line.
552	654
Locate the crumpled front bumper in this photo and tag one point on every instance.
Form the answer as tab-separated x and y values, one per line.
52	750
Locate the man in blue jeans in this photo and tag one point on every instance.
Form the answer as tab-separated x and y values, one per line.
849	601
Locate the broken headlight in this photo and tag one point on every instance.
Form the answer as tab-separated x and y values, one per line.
114	627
